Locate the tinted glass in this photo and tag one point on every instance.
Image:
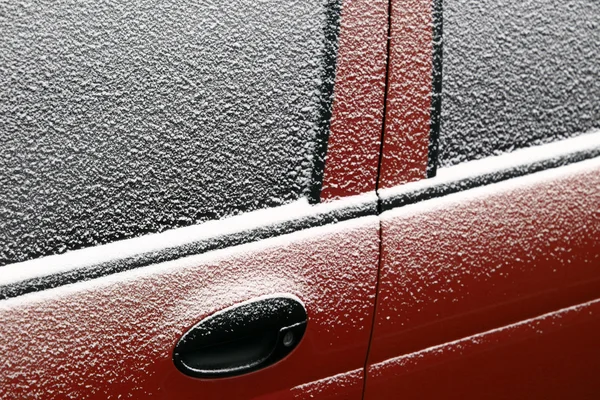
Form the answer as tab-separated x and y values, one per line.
517	74
119	118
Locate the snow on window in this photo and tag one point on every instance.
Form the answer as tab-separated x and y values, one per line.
517	74
119	119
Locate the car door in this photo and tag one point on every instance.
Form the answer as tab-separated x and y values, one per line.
489	279
162	168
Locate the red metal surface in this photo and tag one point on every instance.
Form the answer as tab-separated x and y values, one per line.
555	356
114	336
356	123
410	85
347	386
470	262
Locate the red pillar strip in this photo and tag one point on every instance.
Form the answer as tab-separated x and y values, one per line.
356	123
408	108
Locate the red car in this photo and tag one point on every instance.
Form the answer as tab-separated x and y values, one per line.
317	199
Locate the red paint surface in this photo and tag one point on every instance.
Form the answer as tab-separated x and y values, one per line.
115	336
356	123
555	356
347	386
488	257
408	109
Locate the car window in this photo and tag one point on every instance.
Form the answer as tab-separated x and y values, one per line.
517	74
124	118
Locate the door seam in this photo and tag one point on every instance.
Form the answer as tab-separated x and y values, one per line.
379	200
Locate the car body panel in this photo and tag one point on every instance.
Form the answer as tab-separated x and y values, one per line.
465	263
114	336
448	290
470	262
553	356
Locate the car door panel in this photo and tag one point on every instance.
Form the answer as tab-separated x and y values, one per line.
489	243
130	183
346	386
553	356
114	336
442	288
468	262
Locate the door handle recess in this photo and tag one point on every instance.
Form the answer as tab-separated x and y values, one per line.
241	339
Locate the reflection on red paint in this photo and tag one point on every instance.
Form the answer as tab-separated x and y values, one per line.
347	386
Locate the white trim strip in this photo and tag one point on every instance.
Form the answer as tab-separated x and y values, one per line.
521	157
77	259
122	249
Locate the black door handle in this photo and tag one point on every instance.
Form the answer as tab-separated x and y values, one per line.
242	338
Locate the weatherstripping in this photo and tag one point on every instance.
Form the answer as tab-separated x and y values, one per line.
494	169
86	264
326	96
76	266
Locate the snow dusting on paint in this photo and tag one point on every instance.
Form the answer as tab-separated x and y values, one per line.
409	93
456	265
115	335
357	118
